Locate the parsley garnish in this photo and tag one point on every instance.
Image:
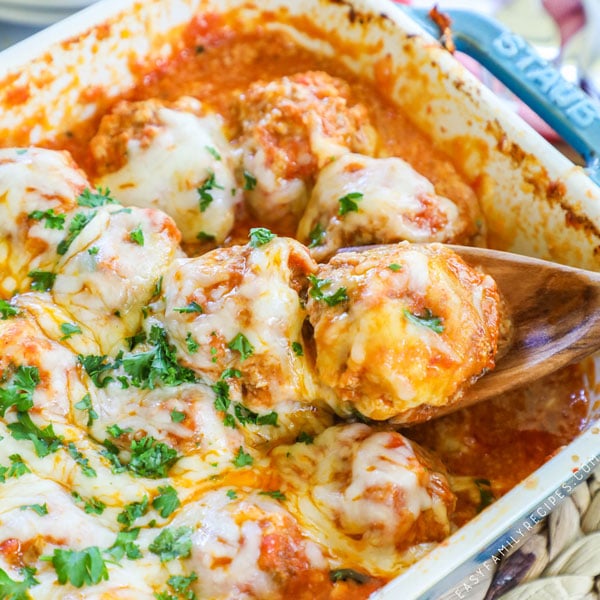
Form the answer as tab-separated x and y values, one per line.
192	307
249	181
191	343
92	506
316	235
95	366
172	543
52	220
38	509
167	502
242	345
94	199
86	404
41	281
135	339
242	459
44	441
349	203
124	545
93	250
69	329
79	567
245	415
213	152
205	237
17	590
7	310
259	236
222	399
316	291
276	494
150	458
116	431
17	466
133	511
80	220
345	574
230	373
203	191
427	320
181	585
232	494
304	438
137	236
81	460
485	493
297	349
394	267
19	393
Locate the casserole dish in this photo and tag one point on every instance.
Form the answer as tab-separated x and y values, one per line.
533	199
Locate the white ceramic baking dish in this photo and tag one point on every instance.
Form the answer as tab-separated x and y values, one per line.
535	201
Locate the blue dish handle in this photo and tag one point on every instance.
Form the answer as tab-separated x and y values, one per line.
573	114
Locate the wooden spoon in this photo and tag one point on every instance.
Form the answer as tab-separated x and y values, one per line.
555	314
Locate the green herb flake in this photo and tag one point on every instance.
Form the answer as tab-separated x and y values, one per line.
395	267
91	199
249	181
19	392
51	219
177	416
93	250
191	343
167	502
68	329
125	545
86	404
204	191
96	367
232	494
39	509
222	399
259	236
275	494
137	236
305	438
116	431
44	441
150	458
17	468
80	220
349	203
297	349
241	344
192	307
81	460
316	236
17	590
172	543
7	310
204	237
317	287
213	152
180	584
79	567
427	320
41	281
242	459
486	495
133	511
91	506
348	574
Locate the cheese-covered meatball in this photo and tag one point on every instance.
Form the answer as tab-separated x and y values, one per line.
173	157
240	308
359	200
401	328
291	127
39	188
372	494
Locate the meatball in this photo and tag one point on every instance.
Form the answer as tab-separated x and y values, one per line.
173	157
291	127
401	328
240	308
358	200
39	189
375	494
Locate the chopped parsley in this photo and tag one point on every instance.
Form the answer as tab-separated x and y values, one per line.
259	236
51	219
96	367
177	416
39	509
232	494
316	235
180	584
69	329
80	220
486	494
427	320
19	393
167	502
244	415
137	236
41	281
222	399
192	307
86	404
133	511
7	310
230	373
172	543
317	287
297	349
91	199
81	460
17	590
191	343
92	506
93	250
276	494
205	237
213	152
17	466
242	459
394	267
135	339
125	545
116	431
242	345
150	458
304	438
349	203
249	181
44	441
204	191
79	567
